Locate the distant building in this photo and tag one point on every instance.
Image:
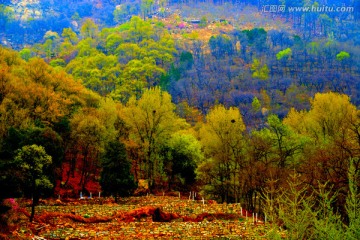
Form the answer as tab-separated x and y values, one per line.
194	21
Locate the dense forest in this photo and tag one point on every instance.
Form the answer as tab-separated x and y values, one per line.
244	105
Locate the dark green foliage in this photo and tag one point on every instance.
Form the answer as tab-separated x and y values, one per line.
164	81
9	174
116	177
186	59
181	169
63	126
256	35
9	180
11	143
45	137
182	154
221	46
174	73
32	160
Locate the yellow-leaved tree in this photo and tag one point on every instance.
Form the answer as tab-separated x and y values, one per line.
223	141
332	118
332	126
151	120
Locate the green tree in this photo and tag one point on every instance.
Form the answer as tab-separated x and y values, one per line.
136	76
69	35
284	53
138	30
283	56
162	51
327	224
32	160
259	71
144	70
341	56
89	29
127	51
66	49
119	14
87	47
97	72
256	105
57	63
184	154
186	60
113	41
286	143
116	177
51	46
25	54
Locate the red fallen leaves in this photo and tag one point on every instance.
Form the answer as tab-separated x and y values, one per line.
156	213
24	211
46	218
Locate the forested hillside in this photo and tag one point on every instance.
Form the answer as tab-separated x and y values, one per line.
26	21
227	98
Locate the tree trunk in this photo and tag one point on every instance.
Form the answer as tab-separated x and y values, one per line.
32	211
33	201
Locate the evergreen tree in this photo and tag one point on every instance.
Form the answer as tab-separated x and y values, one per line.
116	177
